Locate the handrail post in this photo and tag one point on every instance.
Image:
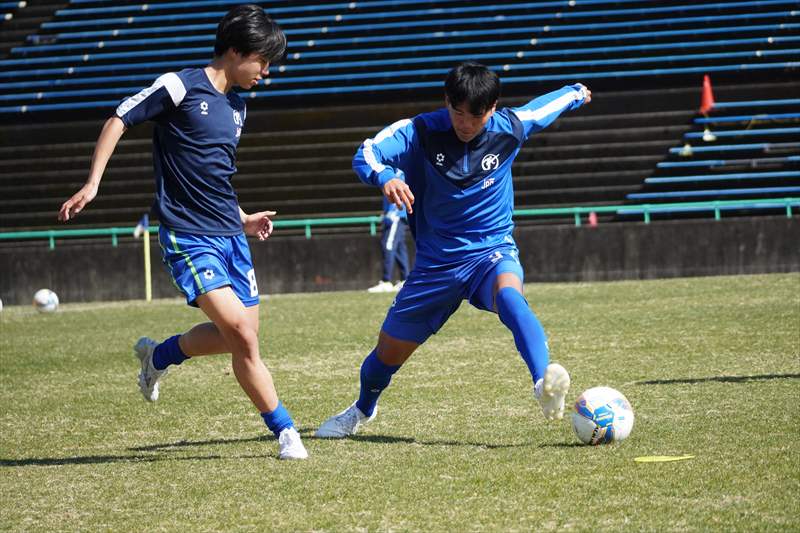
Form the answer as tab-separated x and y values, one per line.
114	240
372	229
577	218
646	213
52	239
717	215
788	208
308	230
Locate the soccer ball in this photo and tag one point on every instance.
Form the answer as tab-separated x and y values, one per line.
45	301
602	415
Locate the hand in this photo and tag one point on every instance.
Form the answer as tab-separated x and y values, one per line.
258	224
399	193
77	202
586	92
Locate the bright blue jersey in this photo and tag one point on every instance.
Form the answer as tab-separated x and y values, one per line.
196	133
464	195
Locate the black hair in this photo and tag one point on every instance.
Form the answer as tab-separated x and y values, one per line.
248	29
474	84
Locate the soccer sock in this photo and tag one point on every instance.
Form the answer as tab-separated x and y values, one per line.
375	376
168	353
278	420
528	333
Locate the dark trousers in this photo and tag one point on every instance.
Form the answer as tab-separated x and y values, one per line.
393	243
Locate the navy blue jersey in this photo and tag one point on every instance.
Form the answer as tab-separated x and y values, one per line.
196	133
464	195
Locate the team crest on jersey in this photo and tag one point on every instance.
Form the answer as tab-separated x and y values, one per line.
490	162
204	108
440	159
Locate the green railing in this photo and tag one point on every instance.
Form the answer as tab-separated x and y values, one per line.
645	210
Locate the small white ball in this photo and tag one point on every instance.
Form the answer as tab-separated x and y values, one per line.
45	301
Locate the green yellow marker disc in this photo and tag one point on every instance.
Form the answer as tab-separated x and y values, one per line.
662	458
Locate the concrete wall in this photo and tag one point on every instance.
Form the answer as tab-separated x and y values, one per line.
85	271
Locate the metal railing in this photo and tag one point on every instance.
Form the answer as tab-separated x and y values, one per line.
645	210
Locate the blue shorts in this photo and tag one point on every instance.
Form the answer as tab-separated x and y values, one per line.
201	263
430	295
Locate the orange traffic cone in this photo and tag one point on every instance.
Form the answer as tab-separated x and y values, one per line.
707	99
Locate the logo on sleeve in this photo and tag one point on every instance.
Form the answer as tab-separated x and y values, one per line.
237	119
490	162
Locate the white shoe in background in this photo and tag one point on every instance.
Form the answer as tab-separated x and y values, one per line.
382	286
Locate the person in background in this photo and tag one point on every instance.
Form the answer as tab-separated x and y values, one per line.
393	247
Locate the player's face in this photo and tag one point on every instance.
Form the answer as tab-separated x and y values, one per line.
465	124
249	70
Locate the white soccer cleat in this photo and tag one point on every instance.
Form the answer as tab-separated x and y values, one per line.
290	445
149	375
344	424
382	286
551	391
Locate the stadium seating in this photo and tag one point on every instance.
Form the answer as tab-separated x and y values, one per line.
744	149
643	58
92	55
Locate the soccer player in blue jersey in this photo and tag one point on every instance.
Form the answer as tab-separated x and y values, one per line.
198	121
451	169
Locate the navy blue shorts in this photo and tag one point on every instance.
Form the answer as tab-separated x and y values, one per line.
430	295
201	263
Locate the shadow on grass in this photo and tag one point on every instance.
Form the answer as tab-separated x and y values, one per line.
388	439
308	434
192	443
104	459
165	448
722	379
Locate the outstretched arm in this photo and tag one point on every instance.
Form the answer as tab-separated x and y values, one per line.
106	143
542	111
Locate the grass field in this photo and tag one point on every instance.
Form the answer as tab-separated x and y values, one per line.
711	366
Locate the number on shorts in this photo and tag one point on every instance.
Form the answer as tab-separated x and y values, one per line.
251	275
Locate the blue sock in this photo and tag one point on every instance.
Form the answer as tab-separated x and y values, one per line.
528	333
375	376
168	353
278	420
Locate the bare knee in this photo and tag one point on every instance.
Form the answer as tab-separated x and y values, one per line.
242	338
392	351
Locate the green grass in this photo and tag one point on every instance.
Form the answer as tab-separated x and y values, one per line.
711	366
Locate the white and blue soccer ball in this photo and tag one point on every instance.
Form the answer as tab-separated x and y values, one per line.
602	415
45	301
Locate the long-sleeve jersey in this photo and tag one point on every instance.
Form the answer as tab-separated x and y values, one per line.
464	195
196	133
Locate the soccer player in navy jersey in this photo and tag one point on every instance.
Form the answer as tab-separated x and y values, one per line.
198	120
451	169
